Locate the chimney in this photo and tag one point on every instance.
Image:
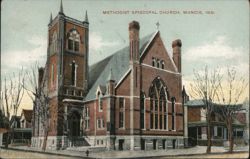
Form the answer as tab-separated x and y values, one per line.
134	28
176	45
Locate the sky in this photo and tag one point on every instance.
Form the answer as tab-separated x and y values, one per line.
213	32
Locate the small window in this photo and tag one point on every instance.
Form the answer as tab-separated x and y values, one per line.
76	46
100	103
220	131
100	123
86	112
158	63
121	103
70	44
103	124
162	64
87	124
121	112
73	73
153	62
121	122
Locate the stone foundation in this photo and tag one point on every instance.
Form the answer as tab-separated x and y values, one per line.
53	142
115	142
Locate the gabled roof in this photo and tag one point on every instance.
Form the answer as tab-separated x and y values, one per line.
27	114
15	118
118	62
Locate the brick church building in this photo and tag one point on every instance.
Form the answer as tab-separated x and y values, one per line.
131	100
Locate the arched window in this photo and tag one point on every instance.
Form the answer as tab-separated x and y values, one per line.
158	105
153	62
162	64
73	40
158	63
100	104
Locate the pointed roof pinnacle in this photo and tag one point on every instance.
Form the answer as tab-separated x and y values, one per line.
86	17
50	17
110	77
61	7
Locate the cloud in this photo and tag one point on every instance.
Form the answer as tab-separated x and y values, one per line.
219	48
100	48
15	59
97	42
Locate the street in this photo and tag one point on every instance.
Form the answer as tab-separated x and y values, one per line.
10	154
194	152
234	155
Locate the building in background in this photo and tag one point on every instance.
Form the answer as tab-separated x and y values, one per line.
21	130
26	117
197	125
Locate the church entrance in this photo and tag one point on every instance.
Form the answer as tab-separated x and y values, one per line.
74	128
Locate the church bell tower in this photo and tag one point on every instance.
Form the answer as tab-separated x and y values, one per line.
68	47
67	66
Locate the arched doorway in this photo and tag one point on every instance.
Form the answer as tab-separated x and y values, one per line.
74	124
74	118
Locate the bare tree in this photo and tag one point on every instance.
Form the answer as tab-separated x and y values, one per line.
229	94
205	86
11	96
37	90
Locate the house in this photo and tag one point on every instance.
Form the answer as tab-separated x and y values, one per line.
131	100
25	119
15	121
197	125
21	128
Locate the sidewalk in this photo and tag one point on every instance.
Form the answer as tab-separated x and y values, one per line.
133	154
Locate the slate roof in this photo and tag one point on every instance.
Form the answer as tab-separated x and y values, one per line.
118	62
200	103
196	102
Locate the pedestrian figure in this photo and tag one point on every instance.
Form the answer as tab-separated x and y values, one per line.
87	153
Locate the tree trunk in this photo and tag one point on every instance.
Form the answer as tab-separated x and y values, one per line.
209	142
45	138
230	137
